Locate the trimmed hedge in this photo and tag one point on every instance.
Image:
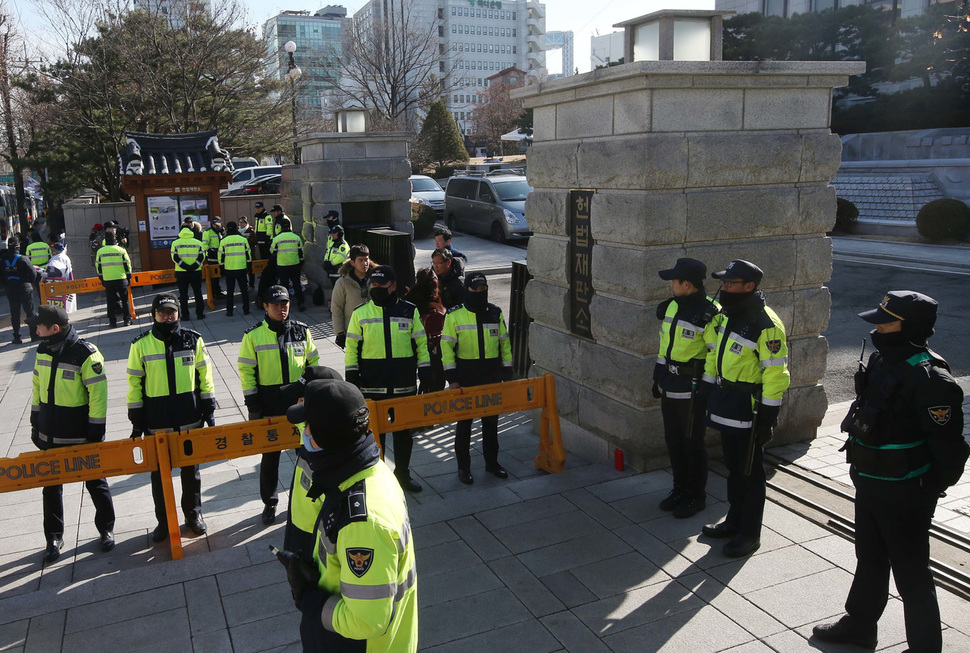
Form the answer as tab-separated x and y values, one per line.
423	218
943	219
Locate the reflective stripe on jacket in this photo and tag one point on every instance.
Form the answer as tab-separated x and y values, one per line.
39	254
370	571
235	253
337	253
288	248
112	263
687	333
187	250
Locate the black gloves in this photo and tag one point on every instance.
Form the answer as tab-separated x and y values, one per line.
353	376
95	432
222	270
860	382
764	433
341	340
303	580
767	416
209	419
655	390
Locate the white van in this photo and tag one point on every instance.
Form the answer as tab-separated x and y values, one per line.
243	175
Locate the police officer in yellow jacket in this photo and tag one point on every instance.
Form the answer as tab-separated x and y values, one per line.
386	344
337	251
366	595
263	224
188	253
235	262
287	247
475	350
303	511
686	334
170	388
905	447
114	269
38	251
746	374
210	240
273	353
68	407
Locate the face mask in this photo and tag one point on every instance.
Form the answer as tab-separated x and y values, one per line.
476	302
166	329
381	296
728	299
308	444
883	341
243	230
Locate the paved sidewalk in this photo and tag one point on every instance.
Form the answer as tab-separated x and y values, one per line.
581	561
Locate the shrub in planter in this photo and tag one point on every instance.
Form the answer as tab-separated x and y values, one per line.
423	218
943	219
846	213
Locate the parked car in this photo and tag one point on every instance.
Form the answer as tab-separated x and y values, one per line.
489	206
425	190
243	175
265	185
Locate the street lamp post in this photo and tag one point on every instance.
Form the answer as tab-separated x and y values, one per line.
293	73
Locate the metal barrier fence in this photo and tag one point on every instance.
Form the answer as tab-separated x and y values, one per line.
387	247
164	451
519	320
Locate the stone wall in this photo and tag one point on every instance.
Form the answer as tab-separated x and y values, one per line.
340	170
712	160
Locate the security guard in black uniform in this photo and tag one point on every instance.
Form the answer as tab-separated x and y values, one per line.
475	350
745	376
18	281
386	344
905	447
68	407
170	388
686	335
273	353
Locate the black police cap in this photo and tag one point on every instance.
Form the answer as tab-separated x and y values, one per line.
335	411
740	269
689	269
382	274
49	315
905	305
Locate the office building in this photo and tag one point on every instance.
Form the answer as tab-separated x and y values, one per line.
318	37
788	8
605	49
562	41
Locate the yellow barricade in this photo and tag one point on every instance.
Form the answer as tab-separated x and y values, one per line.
164	451
212	271
390	415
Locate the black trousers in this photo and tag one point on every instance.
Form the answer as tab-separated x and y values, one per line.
20	296
291	273
269	477
184	280
264	244
403	444
191	493
117	293
463	435
892	523
688	455
746	494
232	277
104	510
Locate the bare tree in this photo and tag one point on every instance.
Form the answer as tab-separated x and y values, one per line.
498	113
15	142
392	65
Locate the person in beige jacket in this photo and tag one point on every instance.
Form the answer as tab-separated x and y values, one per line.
350	290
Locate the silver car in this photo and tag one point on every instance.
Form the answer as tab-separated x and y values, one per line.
425	190
489	206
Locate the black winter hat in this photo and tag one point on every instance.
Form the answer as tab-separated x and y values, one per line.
335	411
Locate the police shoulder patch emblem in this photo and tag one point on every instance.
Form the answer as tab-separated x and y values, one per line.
940	414
774	346
359	560
97	367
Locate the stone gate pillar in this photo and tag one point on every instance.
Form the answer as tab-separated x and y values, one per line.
712	160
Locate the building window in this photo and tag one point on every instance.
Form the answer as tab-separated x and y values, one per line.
441	30
454	29
453	11
441	13
441	66
513	15
513	32
513	49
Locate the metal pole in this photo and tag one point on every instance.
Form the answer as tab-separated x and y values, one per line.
296	148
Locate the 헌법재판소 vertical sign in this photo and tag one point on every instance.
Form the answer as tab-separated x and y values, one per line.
580	263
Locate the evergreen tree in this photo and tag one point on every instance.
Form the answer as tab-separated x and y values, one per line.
439	142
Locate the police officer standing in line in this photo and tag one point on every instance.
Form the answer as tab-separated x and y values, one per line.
235	262
905	447
287	247
745	375
366	590
278	216
18	282
686	333
188	253
386	345
68	407
263	223
337	252
170	388
273	353
475	350
114	270
210	240
303	511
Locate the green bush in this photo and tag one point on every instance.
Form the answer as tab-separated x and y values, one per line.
943	219
846	214
422	217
